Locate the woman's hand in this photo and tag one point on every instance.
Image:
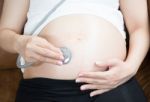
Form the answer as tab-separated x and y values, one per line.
35	49
118	73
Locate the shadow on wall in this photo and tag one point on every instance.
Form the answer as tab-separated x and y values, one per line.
143	74
10	75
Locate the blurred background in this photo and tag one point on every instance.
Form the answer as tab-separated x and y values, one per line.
10	74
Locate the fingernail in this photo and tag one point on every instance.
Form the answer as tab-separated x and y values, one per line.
91	95
82	88
97	62
78	80
59	62
81	74
62	57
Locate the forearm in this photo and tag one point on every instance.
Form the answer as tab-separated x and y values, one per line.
8	40
138	47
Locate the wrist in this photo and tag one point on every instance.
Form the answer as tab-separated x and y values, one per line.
19	42
133	67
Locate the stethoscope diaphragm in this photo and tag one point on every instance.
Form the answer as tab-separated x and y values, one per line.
67	55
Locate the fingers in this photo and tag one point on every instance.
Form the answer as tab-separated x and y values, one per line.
98	86
38	57
93	86
113	62
41	50
89	86
48	53
91	81
97	75
97	92
108	63
97	89
45	44
101	64
95	83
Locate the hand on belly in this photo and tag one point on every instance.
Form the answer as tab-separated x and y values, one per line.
89	40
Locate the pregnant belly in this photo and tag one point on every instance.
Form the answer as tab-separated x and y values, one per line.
90	38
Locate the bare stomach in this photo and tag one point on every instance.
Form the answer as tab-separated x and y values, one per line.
90	38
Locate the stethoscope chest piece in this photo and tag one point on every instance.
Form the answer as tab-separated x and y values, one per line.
67	55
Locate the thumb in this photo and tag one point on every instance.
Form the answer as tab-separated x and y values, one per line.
113	62
101	64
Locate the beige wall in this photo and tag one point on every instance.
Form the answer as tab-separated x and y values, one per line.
9	74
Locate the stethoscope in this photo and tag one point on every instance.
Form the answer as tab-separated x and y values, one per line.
66	52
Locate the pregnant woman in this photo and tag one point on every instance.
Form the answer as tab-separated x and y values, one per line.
99	67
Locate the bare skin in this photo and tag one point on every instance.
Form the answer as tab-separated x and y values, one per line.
85	40
97	44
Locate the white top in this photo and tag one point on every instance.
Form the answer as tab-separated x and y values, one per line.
107	9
